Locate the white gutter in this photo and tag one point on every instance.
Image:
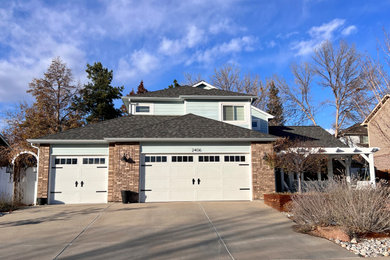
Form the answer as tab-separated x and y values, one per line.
62	141
110	140
181	98
188	139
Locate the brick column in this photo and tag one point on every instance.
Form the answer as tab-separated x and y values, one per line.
123	175
43	171
263	176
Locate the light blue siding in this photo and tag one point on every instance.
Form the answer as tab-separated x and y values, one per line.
169	108
188	147
87	149
208	109
263	120
258	114
263	125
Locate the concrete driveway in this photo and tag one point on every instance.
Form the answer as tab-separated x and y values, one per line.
204	230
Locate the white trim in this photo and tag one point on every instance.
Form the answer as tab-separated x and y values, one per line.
63	141
182	97
348	150
246	121
134	108
263	112
376	109
113	139
265	139
202	82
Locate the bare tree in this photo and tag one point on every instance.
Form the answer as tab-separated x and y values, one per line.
298	99
229	78
296	157
191	79
339	70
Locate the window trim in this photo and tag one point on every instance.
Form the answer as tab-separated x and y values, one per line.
135	105
247	116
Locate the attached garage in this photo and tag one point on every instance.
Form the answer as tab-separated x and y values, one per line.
78	179
220	172
157	158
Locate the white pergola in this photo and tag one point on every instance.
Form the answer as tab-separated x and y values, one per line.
344	156
347	153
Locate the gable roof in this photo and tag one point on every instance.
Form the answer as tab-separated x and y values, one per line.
205	84
356	129
185	91
376	109
316	135
156	128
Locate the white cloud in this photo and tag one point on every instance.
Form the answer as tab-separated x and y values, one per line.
193	37
33	41
225	26
349	30
271	44
140	63
318	35
235	45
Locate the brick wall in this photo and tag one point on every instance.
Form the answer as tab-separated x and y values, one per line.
379	136
123	175
263	176
43	170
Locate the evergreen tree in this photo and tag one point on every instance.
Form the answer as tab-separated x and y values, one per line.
96	99
141	89
274	105
174	85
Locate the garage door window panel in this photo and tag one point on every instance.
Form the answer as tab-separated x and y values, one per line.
208	158
234	158
185	159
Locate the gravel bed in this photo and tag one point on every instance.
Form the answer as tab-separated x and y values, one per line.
367	247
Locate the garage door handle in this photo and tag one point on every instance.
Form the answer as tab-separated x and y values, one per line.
76	183
198	181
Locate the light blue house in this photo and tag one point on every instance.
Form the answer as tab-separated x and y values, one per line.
178	144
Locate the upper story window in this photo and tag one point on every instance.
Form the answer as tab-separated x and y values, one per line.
233	113
142	109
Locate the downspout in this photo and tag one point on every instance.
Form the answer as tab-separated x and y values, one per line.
36	176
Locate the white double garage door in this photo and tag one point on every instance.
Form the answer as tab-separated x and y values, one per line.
195	177
163	176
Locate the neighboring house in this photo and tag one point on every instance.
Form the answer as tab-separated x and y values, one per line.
186	143
6	183
355	136
378	126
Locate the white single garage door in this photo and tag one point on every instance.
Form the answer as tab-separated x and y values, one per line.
78	179
195	177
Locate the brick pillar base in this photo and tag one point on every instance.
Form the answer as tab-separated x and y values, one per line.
123	175
43	171
263	176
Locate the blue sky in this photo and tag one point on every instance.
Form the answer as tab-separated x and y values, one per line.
157	41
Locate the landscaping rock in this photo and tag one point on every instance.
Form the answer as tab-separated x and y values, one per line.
373	247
